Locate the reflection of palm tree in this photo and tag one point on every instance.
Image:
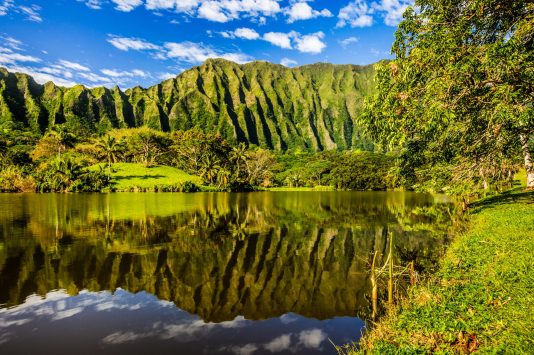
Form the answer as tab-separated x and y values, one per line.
111	149
210	167
239	156
63	138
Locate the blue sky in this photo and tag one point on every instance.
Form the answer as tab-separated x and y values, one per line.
142	42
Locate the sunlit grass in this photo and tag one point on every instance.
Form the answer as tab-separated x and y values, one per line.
482	298
128	176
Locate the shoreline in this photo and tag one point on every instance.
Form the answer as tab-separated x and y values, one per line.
481	297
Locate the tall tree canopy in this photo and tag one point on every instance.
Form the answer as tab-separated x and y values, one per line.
458	97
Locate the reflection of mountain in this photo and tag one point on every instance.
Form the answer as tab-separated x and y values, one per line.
215	255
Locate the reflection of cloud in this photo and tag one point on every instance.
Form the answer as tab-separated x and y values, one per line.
279	344
124	337
312	338
241	350
288	318
186	330
67	313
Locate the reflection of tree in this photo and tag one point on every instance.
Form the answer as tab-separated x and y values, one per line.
258	255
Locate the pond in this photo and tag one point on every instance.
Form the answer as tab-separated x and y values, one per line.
230	273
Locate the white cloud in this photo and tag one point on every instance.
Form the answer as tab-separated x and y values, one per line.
286	62
246	33
73	65
280	39
31	12
137	44
166	76
355	14
8	56
127	5
135	73
392	10
175	5
311	43
92	4
348	41
41	76
5	6
11	42
211	10
303	11
196	53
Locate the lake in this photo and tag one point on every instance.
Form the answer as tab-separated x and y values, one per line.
229	273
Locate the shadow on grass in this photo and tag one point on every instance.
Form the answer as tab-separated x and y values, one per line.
517	195
144	177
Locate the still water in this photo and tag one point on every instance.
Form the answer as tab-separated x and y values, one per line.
232	273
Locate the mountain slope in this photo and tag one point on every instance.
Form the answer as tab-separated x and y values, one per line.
313	107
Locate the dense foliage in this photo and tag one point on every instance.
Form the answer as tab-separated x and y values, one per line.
457	101
65	162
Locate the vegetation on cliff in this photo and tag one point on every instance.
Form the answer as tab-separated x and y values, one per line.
309	108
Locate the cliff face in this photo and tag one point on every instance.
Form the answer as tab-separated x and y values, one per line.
313	107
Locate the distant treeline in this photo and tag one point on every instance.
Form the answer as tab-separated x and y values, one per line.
61	161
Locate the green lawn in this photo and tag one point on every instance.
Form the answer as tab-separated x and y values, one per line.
482	298
127	176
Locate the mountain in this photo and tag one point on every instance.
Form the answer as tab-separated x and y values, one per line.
313	107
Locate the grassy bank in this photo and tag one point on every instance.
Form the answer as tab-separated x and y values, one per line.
131	176
482	298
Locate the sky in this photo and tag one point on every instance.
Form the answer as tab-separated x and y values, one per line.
142	42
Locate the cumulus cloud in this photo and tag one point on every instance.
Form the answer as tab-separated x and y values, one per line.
355	14
196	53
92	4
127	5
359	13
212	10
280	39
311	43
392	10
348	41
303	11
286	62
246	33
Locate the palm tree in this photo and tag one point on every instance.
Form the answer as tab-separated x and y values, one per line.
64	138
209	168
239	156
111	149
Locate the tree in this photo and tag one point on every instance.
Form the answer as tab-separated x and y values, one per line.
62	137
110	148
238	156
210	167
459	94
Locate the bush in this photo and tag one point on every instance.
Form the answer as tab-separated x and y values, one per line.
12	179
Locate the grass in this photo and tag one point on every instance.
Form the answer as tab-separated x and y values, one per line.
129	176
481	299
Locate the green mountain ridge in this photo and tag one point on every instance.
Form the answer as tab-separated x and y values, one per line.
313	107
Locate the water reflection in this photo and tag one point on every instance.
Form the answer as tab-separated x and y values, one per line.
219	259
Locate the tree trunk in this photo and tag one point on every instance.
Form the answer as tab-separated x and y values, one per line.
529	164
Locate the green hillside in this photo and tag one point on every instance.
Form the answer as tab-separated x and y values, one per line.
312	107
